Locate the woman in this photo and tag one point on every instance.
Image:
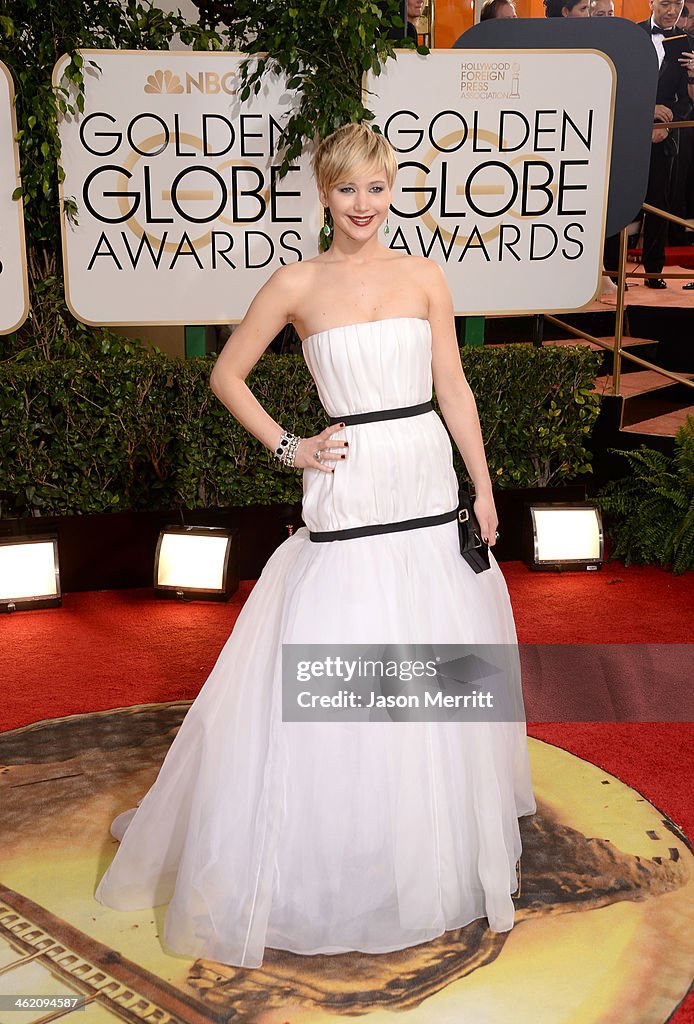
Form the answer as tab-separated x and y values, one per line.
370	835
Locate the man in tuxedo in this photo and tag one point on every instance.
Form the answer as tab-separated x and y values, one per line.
673	101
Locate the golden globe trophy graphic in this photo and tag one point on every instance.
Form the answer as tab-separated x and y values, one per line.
606	882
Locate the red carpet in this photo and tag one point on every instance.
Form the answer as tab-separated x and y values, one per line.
129	647
638	605
118	648
675	255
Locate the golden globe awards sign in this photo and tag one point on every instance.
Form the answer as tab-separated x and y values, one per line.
504	168
181	212
14	292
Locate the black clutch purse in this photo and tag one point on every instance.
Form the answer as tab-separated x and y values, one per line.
474	550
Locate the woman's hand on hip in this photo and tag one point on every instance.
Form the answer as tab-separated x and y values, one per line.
321	452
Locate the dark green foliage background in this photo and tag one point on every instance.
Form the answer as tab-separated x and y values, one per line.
650	511
143	431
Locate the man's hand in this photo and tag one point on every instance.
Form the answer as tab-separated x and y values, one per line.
663	114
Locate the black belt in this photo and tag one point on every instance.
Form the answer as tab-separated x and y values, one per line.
370	531
383	414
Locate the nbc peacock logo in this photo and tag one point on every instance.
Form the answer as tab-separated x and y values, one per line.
163	81
211	83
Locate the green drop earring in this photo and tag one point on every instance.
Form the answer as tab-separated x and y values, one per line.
387	227
327	228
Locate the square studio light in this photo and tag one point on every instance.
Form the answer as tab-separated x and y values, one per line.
564	536
29	573
199	562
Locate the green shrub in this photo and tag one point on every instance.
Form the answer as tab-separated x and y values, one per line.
650	512
140	430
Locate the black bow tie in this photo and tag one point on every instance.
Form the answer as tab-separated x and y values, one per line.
655	31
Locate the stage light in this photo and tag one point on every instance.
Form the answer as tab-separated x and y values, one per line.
199	562
29	573
564	536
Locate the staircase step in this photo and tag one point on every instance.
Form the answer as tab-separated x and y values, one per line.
665	425
638	382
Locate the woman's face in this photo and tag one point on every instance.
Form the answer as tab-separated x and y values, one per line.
580	10
359	204
505	11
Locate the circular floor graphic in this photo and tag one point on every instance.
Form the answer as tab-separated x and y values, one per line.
604	918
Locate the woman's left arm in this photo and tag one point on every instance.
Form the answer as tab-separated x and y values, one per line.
456	400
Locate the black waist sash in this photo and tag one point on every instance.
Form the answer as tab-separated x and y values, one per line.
397	527
323	536
383	414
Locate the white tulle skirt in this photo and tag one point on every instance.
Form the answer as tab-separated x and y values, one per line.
329	837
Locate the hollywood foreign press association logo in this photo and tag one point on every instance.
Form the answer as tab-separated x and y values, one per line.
490	79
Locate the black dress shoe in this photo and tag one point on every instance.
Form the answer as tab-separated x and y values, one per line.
655	282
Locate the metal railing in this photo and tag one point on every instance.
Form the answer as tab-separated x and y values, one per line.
618	352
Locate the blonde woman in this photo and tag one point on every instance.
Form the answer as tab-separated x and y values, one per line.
325	837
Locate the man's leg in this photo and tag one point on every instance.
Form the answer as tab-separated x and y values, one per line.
655	228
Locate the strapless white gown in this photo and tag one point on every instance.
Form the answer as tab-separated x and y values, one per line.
323	838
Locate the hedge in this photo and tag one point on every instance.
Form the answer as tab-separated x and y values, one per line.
144	431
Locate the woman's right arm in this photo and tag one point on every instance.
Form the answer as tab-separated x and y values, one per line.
269	312
271	309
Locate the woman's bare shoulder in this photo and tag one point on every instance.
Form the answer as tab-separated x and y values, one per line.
292	281
295	273
421	271
415	265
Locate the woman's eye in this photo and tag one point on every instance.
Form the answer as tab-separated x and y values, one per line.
377	188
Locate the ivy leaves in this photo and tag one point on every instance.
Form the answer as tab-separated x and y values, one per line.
322	47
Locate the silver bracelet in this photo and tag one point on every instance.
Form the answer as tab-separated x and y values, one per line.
286	450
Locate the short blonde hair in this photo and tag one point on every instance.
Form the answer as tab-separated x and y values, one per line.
351	147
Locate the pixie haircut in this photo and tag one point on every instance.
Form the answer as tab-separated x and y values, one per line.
349	148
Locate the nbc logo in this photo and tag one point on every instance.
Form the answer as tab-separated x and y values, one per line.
163	81
209	82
